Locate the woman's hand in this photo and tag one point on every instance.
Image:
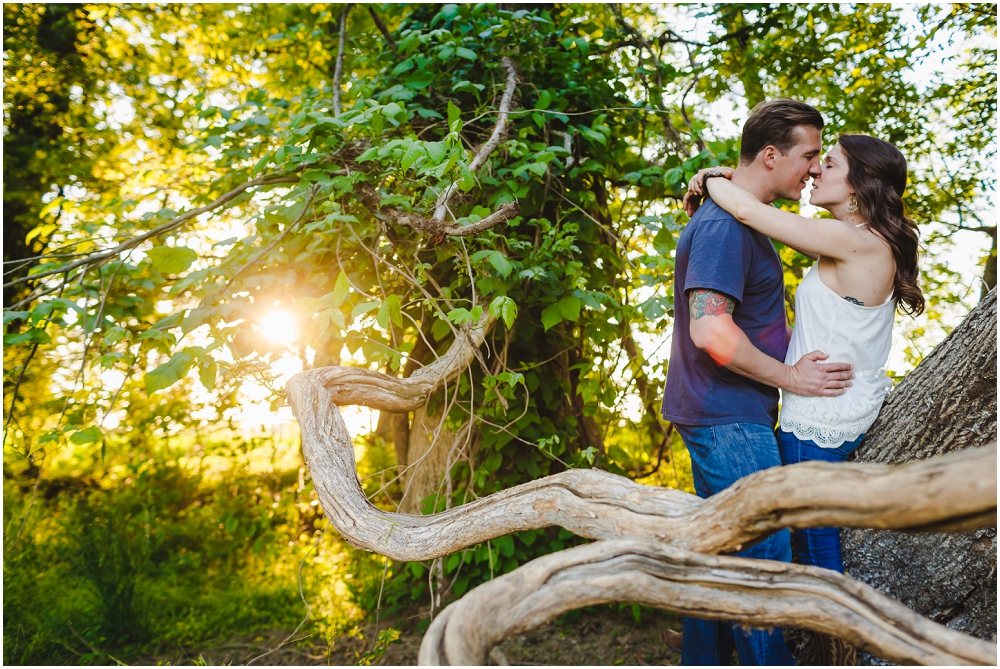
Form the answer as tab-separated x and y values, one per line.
695	194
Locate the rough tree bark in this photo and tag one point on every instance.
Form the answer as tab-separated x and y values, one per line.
762	593
426	458
948	403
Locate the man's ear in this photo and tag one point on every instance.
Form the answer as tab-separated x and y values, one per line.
768	156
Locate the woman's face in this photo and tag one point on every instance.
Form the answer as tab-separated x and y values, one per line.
831	188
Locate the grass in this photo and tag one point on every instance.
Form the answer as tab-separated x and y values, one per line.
146	552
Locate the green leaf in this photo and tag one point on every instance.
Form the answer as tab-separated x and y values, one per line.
468	54
544	100
363	308
569	306
440	329
537	168
467	181
207	372
341	289
171	259
500	263
337	316
551	316
390	311
369	154
505	308
505	544
493	462
454	118
168	373
317	176
459	316
436	151
616	453
9	316
114	335
673	176
420	79
403	67
411	155
87	436
664	242
392	110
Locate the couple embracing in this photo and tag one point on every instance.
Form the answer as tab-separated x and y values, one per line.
732	350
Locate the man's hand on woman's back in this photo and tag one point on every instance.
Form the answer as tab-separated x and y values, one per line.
713	330
811	378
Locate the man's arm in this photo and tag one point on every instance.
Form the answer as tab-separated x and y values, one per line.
714	331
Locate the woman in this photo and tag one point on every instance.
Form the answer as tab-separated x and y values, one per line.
866	268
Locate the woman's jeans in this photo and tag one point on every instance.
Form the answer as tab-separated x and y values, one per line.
720	456
818	546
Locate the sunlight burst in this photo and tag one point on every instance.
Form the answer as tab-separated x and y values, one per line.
279	327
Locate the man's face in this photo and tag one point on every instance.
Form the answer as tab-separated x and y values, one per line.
791	171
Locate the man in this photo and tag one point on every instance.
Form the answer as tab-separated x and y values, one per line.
730	338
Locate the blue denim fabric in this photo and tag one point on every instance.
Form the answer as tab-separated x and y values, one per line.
720	456
818	546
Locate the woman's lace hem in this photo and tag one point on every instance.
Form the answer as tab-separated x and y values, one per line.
825	436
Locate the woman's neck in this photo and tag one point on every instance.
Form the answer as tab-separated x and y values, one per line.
840	213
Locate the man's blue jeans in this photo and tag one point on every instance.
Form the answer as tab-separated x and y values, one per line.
721	455
818	546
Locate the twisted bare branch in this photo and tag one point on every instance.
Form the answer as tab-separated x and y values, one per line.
759	593
332	386
952	491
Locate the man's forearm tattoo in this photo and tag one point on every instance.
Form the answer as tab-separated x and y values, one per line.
709	303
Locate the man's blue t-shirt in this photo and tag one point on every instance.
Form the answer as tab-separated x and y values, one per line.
719	253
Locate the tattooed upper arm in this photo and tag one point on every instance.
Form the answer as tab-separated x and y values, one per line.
704	302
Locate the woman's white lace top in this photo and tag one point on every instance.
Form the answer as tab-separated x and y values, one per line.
862	336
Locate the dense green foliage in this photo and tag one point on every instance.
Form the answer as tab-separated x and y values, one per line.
120	369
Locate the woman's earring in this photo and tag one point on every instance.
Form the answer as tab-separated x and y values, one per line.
852	206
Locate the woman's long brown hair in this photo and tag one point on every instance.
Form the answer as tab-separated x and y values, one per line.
877	174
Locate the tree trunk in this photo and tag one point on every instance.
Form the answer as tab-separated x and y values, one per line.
990	271
948	403
426	459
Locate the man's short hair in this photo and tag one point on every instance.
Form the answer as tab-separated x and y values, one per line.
773	123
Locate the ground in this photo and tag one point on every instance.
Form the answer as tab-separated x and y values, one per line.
597	636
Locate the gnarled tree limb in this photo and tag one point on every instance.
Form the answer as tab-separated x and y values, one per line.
759	593
599	505
354	385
